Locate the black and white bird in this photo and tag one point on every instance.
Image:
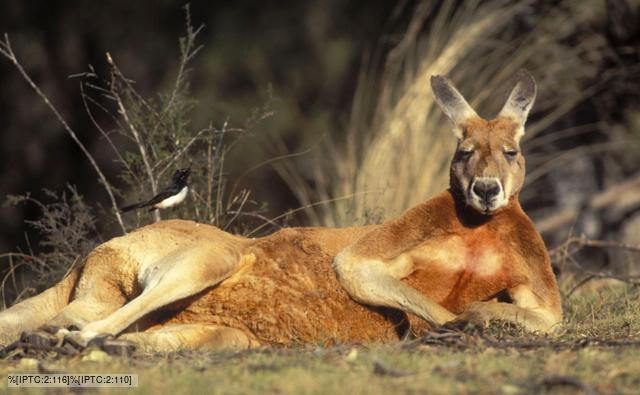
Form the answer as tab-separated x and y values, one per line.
169	197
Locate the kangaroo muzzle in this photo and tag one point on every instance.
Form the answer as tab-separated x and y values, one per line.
486	194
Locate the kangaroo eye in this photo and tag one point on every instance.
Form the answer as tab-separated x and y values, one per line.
465	153
511	153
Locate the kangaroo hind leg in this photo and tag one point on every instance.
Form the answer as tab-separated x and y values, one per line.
106	283
175	277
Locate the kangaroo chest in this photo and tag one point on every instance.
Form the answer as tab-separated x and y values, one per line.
455	270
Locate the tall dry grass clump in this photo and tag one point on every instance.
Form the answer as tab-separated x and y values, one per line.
398	145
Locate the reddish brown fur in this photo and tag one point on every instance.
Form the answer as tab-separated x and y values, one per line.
291	294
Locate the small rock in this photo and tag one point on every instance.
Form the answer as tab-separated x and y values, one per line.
380	369
352	355
95	355
511	389
49	367
119	347
27	364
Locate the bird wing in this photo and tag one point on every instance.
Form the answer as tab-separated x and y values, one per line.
154	200
159	197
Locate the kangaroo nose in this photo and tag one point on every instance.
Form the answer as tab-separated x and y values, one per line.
486	189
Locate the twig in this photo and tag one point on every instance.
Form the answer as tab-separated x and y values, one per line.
134	131
256	215
305	207
381	369
7	52
177	156
187	52
210	166
94	121
218	159
290	174
264	163
194	197
582	241
128	83
11	272
633	280
242	198
573	245
26	290
556	380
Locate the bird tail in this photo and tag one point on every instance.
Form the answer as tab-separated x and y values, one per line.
132	207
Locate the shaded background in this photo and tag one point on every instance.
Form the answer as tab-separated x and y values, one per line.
306	55
338	77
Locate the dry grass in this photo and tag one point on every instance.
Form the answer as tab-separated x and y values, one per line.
398	145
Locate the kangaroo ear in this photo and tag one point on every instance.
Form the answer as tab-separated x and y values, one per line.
521	98
451	101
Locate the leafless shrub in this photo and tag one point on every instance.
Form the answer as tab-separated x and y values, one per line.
150	137
68	232
7	51
161	139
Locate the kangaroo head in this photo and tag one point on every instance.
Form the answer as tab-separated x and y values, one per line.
488	167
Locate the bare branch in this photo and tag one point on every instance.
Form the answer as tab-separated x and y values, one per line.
241	199
573	245
95	123
187	52
268	221
633	280
7	52
264	163
136	135
580	242
302	208
175	157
